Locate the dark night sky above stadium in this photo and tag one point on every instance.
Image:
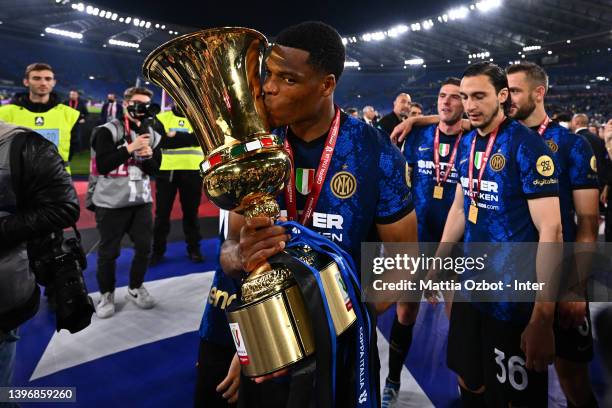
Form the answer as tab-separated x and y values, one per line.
270	16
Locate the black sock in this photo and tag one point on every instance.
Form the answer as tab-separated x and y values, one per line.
470	399
401	338
591	404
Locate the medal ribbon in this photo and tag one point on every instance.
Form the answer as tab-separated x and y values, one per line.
313	197
451	161
485	159
544	126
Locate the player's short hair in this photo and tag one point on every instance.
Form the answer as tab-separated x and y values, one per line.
37	66
416	105
496	75
534	72
321	41
451	81
136	90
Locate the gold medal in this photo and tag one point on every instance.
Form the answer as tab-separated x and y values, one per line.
473	214
438	192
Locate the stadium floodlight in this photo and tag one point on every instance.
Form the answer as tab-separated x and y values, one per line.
378	36
89	10
569	41
549	52
95	11
163	27
486	5
91	77
532	48
108	15
397	30
114	16
445	17
458	13
136	22
427	24
142	23
102	14
81	7
64	33
415	27
344	41
156	25
120	43
414	61
128	20
148	25
365	37
170	32
352	64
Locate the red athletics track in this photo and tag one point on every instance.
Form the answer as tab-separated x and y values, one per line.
87	220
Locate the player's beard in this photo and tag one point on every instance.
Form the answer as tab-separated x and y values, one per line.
489	120
525	111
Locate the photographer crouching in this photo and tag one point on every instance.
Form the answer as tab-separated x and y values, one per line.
37	200
124	154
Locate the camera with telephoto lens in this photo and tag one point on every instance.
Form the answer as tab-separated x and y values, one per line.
58	264
145	113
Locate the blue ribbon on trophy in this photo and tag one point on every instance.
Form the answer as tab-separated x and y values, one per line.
302	236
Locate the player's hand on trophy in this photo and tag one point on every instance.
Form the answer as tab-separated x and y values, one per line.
538	344
231	383
571	314
259	240
276	374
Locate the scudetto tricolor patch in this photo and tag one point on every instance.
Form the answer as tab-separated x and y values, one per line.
444	149
478	160
303	180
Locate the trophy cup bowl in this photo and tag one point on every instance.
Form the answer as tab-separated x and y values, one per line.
214	77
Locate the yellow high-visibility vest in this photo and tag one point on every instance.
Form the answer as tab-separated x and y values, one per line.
184	158
54	125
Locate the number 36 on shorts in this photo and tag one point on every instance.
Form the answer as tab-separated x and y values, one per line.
512	370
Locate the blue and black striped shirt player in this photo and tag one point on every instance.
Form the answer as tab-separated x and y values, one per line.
366	184
419	152
519	168
345	213
577	169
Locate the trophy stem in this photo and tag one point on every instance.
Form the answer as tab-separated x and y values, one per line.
264	207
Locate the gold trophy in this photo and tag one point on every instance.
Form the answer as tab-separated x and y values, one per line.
214	77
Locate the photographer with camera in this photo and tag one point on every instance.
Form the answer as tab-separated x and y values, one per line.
37	199
124	154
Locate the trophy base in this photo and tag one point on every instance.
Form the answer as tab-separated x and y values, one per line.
272	333
271	327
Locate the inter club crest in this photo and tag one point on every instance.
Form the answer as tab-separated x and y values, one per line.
303	180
